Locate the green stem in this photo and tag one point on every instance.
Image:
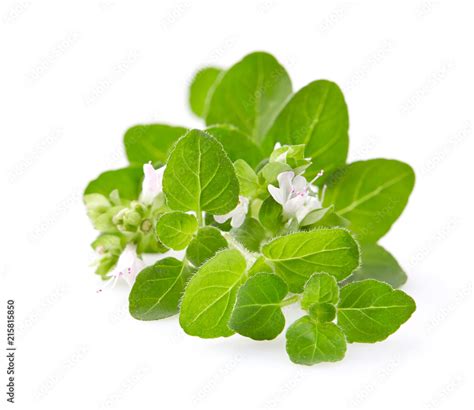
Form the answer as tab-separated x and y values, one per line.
290	300
199	218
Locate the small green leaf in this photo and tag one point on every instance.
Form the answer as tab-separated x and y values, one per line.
271	170
201	89
257	313
250	234
144	143
317	117
176	229
369	311
271	215
200	177
250	95
316	216
210	295
379	264
158	289
322	312
126	180
248	180
205	245
371	195
309	342
237	145
320	288
297	256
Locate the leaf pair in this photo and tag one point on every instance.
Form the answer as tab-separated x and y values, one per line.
367	312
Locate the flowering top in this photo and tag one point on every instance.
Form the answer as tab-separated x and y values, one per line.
237	214
152	183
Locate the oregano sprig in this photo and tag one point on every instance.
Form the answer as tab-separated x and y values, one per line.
261	212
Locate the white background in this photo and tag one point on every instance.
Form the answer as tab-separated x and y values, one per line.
76	75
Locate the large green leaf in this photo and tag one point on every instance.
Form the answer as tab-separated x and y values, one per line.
144	143
378	263
371	195
210	295
176	229
158	289
317	117
205	245
236	144
199	176
201	89
369	311
126	180
250	95
297	256
309	342
257	313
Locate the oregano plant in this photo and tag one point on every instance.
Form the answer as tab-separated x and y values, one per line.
256	211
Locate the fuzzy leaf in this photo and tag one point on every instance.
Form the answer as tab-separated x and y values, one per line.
210	296
199	176
297	256
369	311
157	289
371	195
205	245
176	229
257	313
250	95
250	234
309	342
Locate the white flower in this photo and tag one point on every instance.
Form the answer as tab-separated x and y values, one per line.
237	214
152	183
296	196
128	267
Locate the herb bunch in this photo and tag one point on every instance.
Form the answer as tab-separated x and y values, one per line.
263	210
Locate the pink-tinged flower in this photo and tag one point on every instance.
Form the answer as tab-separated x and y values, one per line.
237	214
128	266
296	196
152	183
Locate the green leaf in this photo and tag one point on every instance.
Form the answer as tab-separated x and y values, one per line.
158	289
297	256
320	288
201	89
322	312
205	245
316	216
371	195
126	180
271	170
210	295
176	229
377	263
369	311
144	143
317	117
257	313
259	266
248	180
309	342
237	145
200	177
250	95
250	234
271	215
